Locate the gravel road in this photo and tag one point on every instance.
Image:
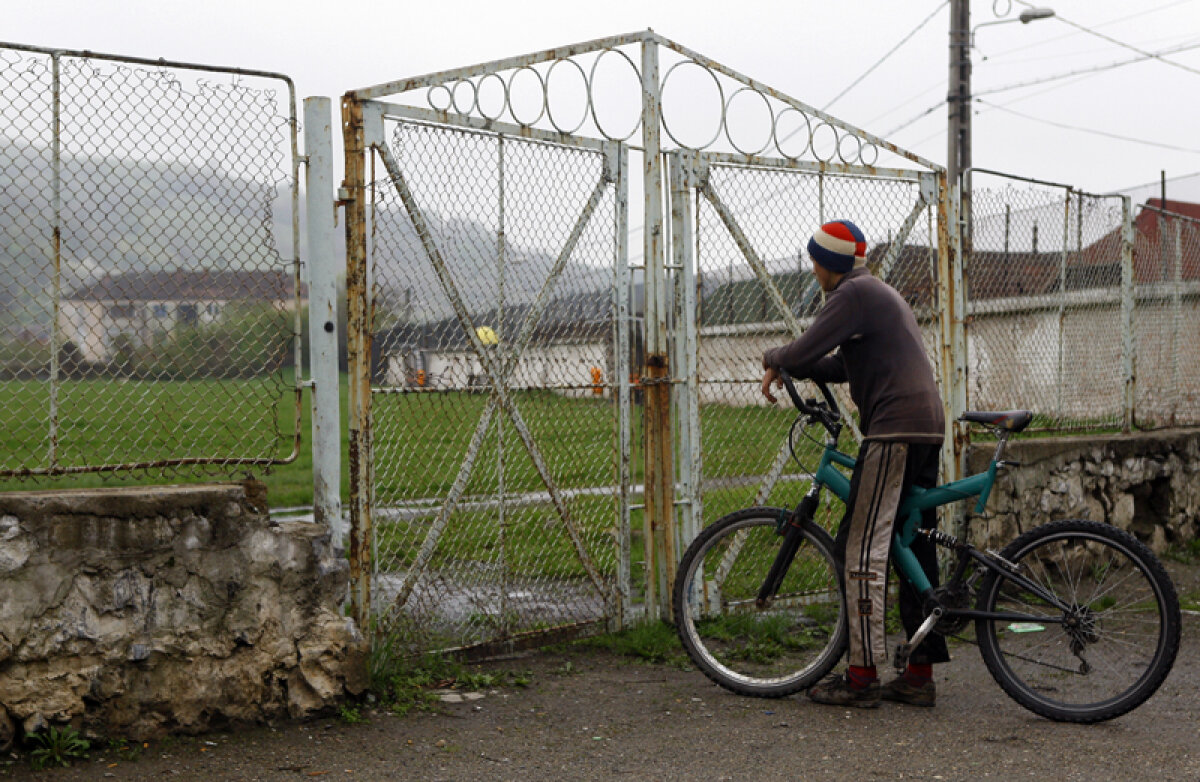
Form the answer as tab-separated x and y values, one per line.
590	715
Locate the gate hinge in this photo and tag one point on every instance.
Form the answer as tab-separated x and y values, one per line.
693	168
929	188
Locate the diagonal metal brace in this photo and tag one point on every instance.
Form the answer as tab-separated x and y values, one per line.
495	372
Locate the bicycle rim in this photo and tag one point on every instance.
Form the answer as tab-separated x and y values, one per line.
1112	646
769	651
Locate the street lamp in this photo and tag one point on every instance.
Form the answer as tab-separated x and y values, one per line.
1025	17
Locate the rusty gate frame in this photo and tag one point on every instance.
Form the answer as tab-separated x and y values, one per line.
659	380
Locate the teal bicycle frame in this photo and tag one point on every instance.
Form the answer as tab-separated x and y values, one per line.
918	499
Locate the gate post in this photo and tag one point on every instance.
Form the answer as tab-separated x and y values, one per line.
659	513
682	175
951	302
358	351
322	318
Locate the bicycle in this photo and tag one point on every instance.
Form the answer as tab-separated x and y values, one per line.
1076	620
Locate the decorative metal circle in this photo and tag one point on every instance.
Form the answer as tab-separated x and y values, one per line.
550	112
854	154
806	128
592	95
454	93
770	114
833	151
863	148
720	93
479	89
512	109
439	89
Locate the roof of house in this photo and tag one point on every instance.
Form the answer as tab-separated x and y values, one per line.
184	285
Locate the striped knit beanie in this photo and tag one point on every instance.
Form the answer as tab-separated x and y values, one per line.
838	246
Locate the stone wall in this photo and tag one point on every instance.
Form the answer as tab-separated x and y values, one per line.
138	612
1147	483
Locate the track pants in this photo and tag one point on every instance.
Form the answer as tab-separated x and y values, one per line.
883	475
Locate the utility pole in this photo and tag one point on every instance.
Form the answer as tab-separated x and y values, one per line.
958	101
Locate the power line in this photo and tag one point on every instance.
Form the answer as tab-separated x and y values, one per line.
1092	131
1122	44
1096	69
995	61
1157	182
1139	14
922	115
892	51
1044	80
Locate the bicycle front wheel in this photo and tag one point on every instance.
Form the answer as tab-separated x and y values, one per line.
765	650
1108	643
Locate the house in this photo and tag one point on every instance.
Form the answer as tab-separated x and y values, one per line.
135	307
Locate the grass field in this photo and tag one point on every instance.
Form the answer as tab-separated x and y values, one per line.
420	439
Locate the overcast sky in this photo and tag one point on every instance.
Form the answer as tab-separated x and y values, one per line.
807	49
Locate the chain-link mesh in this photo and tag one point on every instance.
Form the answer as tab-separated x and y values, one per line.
742	438
1044	282
1047	287
1167	316
489	525
147	308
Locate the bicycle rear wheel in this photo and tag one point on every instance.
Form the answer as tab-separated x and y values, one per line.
765	651
1110	643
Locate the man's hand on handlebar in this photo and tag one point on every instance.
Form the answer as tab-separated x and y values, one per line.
770	378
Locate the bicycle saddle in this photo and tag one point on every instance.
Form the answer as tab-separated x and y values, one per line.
1010	420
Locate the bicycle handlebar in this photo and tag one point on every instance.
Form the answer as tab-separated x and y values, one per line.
826	413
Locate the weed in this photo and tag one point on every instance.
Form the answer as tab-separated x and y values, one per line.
405	685
654	642
351	715
125	749
57	747
1186	553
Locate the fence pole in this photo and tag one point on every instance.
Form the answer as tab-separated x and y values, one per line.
1128	345
322	317
1176	317
56	282
1062	307
358	351
682	175
659	506
951	302
621	294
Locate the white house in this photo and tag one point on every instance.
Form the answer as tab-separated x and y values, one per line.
142	305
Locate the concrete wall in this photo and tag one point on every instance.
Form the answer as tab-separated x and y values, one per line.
1147	483
143	611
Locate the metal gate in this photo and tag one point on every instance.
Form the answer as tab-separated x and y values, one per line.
498	381
752	289
506	341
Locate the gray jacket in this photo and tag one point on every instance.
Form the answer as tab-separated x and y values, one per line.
879	351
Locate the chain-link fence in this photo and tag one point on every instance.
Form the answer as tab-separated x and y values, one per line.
1073	317
494	389
745	459
1167	314
149	295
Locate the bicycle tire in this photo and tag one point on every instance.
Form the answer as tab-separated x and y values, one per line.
1122	618
765	652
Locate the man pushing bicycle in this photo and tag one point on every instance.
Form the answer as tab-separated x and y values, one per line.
867	335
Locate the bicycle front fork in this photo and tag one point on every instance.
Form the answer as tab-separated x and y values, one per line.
792	529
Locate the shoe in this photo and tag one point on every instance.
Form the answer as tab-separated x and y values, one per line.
834	690
901	691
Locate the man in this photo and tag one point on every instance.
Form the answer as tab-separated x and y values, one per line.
880	353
